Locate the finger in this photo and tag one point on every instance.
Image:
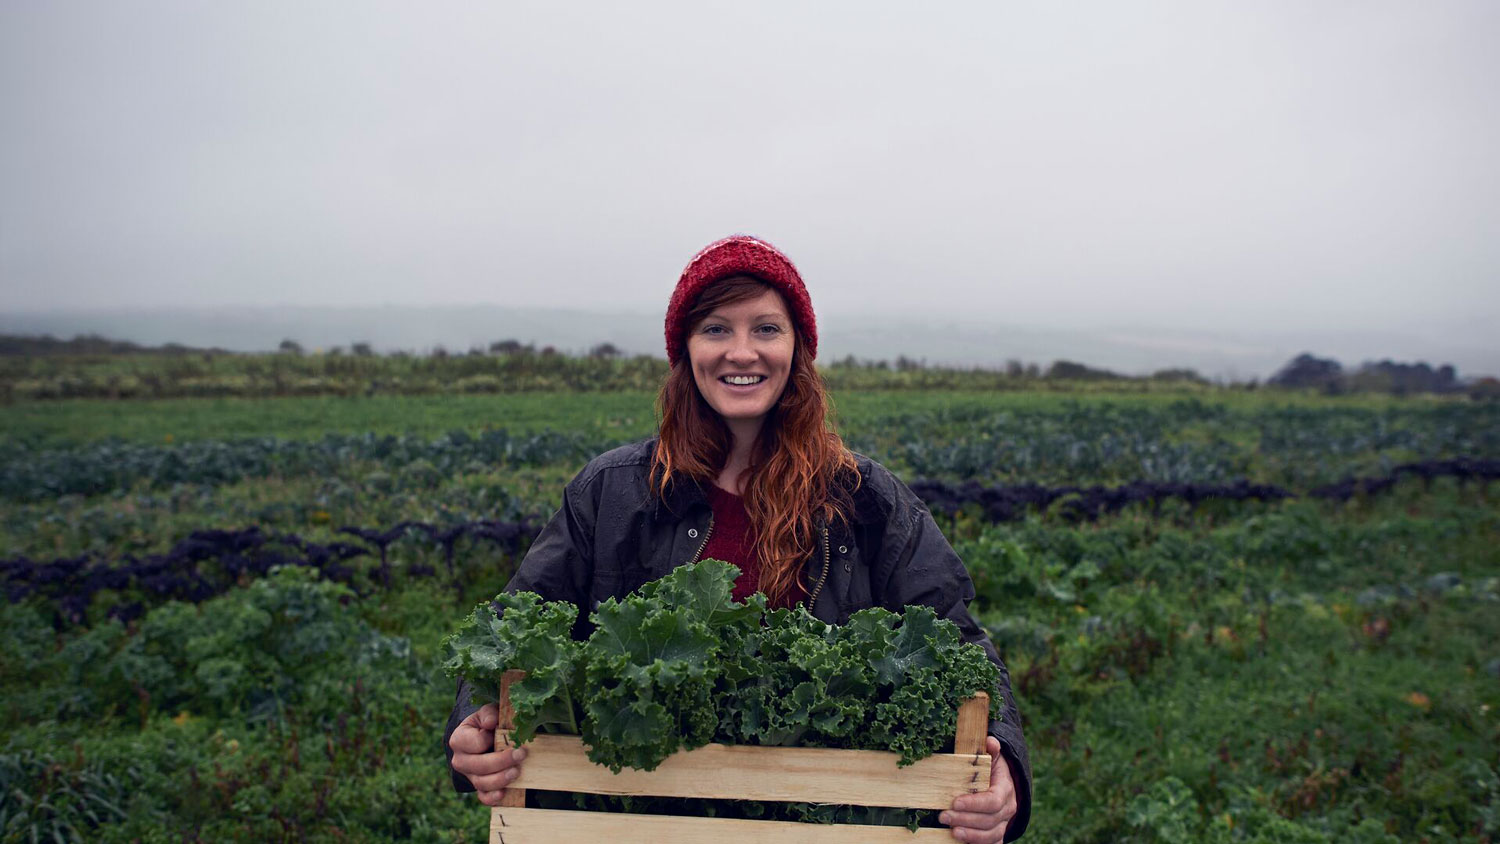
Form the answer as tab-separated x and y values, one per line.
468	739
497	782
480	716
986	802
970	820
486	764
992	835
489	716
490	798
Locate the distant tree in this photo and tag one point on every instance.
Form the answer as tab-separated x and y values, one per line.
1404	378
476	351
906	364
605	351
1308	372
1014	368
508	347
361	350
1485	389
336	352
291	347
1178	375
1033	371
1073	371
439	353
549	351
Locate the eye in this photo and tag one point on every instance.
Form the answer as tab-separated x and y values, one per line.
712	329
769	329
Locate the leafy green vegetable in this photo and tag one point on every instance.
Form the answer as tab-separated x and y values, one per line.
680	663
530	635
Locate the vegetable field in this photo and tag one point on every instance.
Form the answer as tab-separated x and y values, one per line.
1228	616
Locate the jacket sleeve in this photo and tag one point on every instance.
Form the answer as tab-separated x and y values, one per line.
558	566
918	566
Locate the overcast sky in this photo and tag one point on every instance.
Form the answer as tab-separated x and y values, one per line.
1248	165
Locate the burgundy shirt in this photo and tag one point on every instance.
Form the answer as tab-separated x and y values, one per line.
733	541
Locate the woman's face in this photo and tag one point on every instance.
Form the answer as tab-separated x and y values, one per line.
741	355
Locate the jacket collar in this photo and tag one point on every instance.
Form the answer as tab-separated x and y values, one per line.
682	496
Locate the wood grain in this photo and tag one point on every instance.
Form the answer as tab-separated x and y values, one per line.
973	725
811	774
545	826
513	795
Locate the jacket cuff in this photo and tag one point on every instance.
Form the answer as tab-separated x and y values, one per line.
463	707
1020	775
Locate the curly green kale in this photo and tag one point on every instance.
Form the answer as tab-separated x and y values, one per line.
924	676
652	662
521	631
679	663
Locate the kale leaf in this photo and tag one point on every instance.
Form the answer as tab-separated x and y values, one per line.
679	663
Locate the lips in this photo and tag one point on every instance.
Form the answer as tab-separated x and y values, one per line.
741	380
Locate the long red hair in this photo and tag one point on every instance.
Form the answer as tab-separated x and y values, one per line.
800	474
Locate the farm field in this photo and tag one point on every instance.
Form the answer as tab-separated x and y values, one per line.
1228	615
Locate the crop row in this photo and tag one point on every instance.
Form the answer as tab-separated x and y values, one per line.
1003	503
40	475
1180	442
210	562
1185	441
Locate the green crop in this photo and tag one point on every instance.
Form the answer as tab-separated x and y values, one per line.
680	663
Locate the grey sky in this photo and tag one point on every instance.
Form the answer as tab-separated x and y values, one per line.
1277	166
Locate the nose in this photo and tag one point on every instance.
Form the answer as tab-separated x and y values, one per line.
741	352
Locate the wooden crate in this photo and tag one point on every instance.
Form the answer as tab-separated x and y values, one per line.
802	774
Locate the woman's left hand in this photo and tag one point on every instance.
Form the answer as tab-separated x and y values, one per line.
983	817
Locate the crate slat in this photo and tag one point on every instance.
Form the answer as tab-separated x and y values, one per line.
529	826
742	772
513	796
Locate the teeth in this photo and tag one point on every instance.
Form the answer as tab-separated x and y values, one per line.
743	379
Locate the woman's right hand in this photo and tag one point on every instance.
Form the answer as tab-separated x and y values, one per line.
475	756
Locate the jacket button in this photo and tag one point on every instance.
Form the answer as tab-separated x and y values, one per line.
848	567
843	549
692	533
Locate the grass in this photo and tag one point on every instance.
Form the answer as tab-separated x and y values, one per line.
629	412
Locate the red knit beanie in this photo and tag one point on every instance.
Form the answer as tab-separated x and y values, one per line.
738	255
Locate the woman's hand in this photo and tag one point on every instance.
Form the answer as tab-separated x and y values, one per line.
474	755
983	817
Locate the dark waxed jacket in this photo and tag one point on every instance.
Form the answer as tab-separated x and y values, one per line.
613	534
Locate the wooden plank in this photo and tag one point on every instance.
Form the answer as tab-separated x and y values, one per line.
545	826
973	725
740	772
512	796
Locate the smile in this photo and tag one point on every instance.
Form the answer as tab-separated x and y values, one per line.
742	380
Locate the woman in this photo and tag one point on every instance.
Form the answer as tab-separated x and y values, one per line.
745	470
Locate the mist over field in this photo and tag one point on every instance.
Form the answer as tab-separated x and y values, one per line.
1123	348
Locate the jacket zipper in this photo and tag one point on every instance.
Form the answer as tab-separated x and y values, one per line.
827	563
706	534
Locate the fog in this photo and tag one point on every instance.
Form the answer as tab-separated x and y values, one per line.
1265	175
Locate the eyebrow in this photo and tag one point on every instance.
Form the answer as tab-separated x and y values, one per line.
717	315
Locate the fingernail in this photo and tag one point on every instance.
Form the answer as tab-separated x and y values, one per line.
519	754
512	774
944	818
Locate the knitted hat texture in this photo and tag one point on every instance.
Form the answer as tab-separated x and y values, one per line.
738	255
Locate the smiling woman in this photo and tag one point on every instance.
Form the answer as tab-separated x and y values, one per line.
746	468
740	345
